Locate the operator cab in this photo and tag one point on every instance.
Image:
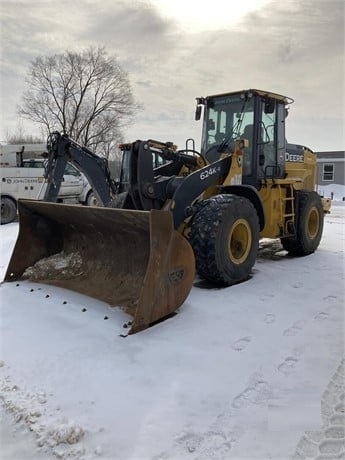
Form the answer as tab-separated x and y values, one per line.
255	115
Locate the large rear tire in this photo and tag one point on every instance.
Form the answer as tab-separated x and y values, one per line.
8	210
309	227
225	239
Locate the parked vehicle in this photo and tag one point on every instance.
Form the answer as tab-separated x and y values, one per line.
27	181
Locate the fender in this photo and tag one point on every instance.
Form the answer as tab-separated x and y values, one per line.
249	192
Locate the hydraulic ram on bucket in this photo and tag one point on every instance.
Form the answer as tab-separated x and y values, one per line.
131	259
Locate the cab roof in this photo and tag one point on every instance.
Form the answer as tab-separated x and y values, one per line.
259	92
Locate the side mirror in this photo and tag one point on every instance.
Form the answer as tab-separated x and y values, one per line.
261	159
198	112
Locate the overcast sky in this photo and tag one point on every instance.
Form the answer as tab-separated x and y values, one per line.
175	51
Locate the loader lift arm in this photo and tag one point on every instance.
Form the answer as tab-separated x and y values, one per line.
150	187
169	186
60	150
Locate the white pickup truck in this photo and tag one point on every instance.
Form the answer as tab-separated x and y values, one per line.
27	181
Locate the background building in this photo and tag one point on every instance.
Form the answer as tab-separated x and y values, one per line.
331	167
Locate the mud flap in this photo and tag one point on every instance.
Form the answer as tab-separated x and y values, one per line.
131	259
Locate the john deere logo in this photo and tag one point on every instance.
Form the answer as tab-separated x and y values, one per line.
176	275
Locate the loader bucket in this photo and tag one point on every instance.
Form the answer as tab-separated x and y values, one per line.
131	259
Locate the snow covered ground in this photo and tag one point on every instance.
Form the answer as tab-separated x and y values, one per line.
254	371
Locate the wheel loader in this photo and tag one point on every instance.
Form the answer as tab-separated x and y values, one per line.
195	212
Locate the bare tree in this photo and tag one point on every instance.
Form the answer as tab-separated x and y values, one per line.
20	137
86	95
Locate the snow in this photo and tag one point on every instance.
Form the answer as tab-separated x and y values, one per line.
253	371
337	190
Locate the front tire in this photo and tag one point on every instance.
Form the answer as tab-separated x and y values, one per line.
8	210
225	239
309	227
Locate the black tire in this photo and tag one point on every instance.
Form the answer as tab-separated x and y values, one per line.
225	239
8	210
309	227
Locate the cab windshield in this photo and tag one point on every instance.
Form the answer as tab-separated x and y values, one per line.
225	120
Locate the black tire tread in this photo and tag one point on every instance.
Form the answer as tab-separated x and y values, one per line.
299	245
207	221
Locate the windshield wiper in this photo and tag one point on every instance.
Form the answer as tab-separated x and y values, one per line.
235	129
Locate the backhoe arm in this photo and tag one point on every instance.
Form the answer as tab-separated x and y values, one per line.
60	150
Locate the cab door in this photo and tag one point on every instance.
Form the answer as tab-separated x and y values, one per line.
271	141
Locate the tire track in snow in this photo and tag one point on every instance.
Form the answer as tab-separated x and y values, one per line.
328	443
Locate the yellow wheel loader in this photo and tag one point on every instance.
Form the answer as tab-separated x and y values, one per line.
203	211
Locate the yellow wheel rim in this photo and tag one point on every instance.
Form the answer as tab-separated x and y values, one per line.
313	223
240	241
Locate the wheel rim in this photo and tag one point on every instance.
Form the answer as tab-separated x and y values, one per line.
92	201
240	241
313	223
